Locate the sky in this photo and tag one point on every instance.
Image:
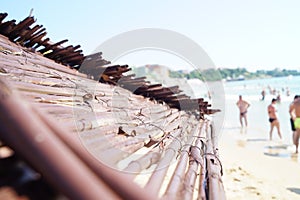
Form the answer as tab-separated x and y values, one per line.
256	34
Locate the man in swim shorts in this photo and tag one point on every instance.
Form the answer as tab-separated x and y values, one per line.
295	107
243	106
273	119
292	117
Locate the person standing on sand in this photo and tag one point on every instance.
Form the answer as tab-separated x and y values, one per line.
273	119
243	107
295	107
292	117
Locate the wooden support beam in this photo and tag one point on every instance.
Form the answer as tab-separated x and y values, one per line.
2	16
36	39
23	25
53	46
42	43
6	27
28	33
58	52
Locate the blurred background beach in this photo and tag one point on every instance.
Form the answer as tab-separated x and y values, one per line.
254	167
258	124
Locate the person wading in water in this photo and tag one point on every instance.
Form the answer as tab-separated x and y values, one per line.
273	119
243	107
295	107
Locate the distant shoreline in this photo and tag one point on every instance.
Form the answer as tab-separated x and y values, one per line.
233	74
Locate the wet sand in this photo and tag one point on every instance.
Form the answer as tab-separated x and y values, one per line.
256	168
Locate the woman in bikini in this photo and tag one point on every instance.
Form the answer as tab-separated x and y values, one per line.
273	119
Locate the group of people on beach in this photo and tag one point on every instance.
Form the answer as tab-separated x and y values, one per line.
274	92
294	111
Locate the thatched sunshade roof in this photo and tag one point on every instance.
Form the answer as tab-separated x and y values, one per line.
137	148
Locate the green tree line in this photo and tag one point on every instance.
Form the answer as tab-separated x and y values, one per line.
226	73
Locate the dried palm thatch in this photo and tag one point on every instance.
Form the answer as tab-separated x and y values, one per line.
90	140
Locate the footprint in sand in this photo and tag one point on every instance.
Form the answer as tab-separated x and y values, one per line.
243	172
237	180
252	190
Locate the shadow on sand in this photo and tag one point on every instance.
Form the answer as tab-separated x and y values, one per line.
295	190
276	154
282	146
277	150
256	140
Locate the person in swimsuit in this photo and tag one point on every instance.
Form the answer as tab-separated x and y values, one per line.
273	119
295	107
243	107
292	117
263	94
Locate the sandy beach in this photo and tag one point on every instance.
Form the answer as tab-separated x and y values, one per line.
258	169
254	166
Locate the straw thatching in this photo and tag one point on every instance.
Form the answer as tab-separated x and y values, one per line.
85	139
